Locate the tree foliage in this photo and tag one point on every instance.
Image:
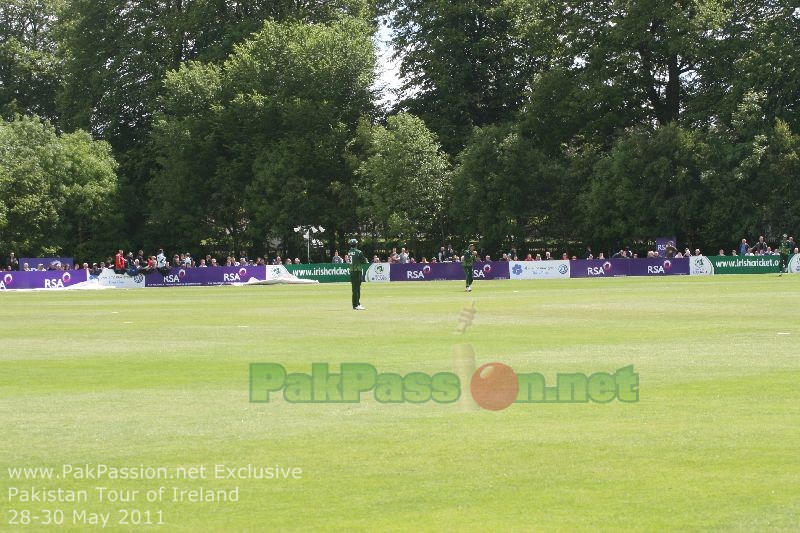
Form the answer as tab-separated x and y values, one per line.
256	146
564	124
30	68
404	180
57	193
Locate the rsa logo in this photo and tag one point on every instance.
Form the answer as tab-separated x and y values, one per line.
175	278
600	270
57	283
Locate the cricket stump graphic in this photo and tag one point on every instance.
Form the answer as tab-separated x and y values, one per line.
464	360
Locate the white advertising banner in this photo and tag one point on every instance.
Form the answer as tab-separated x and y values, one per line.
538	269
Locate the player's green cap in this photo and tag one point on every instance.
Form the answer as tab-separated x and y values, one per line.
352	242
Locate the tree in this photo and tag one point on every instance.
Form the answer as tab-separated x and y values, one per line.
754	51
30	69
462	63
754	181
117	55
57	193
251	149
651	183
404	182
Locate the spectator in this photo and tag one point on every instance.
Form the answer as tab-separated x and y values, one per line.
12	263
784	249
601	256
697	252
337	258
119	262
424	260
202	264
721	251
402	257
761	246
161	259
26	267
187	260
214	262
744	247
40	267
394	257
564	257
296	260
529	257
538	257
375	258
620	254
451	254
547	256
670	250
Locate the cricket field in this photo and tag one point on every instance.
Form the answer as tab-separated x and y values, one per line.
131	409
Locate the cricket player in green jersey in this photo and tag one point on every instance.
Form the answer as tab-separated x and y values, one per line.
356	260
784	249
470	256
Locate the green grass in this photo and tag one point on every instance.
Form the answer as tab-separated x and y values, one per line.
160	378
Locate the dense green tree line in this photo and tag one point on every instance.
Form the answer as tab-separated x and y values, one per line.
219	125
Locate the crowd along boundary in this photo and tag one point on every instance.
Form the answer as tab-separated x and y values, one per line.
386	272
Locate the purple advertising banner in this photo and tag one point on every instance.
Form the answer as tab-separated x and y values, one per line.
188	277
447	271
658	266
53	279
598	268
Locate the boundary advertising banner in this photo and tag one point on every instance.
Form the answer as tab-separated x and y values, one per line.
539	269
378	273
447	271
196	277
745	264
109	278
655	266
322	272
48	279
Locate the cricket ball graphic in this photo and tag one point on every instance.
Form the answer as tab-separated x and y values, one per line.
494	386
